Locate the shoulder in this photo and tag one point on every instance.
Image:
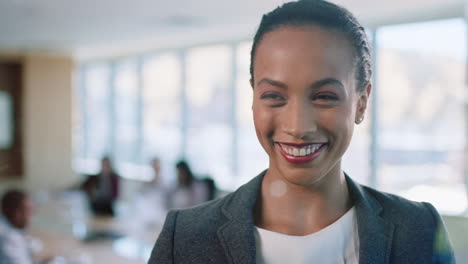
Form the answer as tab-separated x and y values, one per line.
11	239
7	233
191	234
395	206
14	247
404	212
202	216
416	223
195	235
90	178
237	204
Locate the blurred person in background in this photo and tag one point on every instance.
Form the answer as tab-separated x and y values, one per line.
156	182
102	189
212	189
15	245
189	191
311	78
151	201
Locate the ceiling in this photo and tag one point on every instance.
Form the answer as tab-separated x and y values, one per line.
88	29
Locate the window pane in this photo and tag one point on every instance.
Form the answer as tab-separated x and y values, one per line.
251	157
126	113
209	127
421	82
97	109
162	111
6	120
78	120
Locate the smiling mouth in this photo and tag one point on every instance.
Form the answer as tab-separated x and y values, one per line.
300	150
300	153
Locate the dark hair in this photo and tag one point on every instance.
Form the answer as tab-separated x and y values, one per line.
325	14
183	166
12	201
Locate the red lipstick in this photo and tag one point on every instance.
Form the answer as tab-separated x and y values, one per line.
299	159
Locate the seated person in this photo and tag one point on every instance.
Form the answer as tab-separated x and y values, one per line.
156	183
15	246
189	191
102	189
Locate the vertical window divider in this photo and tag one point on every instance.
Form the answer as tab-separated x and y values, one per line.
112	115
234	146
138	156
465	154
184	105
82	88
374	121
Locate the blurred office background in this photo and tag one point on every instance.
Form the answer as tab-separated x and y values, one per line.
169	79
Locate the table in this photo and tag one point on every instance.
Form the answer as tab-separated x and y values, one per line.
62	224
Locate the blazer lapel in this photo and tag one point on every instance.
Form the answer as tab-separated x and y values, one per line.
375	234
239	242
237	234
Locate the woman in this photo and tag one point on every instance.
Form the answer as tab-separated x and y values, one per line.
311	80
189	191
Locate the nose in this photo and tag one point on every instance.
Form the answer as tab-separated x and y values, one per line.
299	119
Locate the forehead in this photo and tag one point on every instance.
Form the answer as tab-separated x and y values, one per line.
310	50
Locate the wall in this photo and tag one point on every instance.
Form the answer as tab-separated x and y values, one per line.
47	129
47	123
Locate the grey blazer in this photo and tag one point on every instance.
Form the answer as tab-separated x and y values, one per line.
391	230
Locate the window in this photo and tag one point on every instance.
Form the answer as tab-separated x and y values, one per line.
421	71
162	124
196	103
209	122
125	107
96	116
6	120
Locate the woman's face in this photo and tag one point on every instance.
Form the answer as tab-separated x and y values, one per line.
305	101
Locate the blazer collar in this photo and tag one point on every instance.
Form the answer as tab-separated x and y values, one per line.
375	234
237	234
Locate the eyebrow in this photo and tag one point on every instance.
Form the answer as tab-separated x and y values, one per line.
314	85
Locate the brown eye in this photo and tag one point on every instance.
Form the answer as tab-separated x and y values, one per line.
272	96
325	97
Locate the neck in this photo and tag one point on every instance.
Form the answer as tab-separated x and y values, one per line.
299	210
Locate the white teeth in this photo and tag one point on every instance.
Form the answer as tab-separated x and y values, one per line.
304	151
296	152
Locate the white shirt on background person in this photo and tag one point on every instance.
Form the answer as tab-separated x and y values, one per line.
15	246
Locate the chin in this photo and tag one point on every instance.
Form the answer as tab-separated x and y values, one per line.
305	178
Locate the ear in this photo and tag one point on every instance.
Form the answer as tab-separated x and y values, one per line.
361	106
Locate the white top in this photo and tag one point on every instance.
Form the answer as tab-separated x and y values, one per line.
337	243
14	245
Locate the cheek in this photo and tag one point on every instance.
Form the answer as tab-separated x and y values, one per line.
339	122
264	122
